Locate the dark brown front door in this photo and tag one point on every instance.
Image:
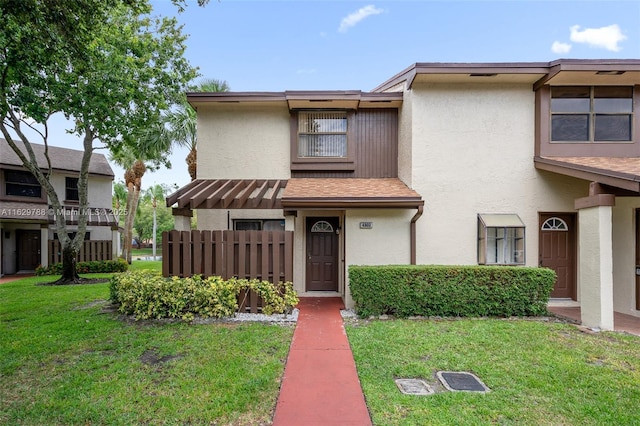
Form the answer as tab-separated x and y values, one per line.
28	250
557	251
322	254
638	259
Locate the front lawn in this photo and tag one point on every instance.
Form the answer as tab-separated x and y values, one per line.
539	373
65	359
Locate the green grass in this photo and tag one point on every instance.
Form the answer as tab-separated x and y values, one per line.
65	360
539	373
150	265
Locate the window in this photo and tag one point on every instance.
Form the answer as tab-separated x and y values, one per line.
554	224
21	183
71	189
322	226
591	114
258	225
322	134
500	239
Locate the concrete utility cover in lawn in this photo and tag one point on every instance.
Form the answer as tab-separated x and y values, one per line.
461	381
413	387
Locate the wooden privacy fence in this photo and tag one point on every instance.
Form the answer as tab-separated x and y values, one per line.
263	255
90	250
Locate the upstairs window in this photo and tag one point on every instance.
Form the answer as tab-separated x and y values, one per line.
322	134
21	183
500	239
71	189
591	114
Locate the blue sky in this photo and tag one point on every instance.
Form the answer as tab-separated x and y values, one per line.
356	45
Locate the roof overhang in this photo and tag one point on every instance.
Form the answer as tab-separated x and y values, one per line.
560	72
602	72
335	99
331	193
295	194
504	73
622	173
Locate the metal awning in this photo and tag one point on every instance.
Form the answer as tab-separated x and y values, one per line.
501	220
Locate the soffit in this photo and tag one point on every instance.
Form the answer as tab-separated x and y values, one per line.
619	172
343	99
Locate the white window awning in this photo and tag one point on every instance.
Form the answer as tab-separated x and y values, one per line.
501	220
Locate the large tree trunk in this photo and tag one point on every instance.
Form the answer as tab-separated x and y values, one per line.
69	267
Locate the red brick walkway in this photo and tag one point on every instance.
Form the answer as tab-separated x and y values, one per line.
320	384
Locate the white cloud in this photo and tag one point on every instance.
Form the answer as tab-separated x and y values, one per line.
560	48
354	18
604	37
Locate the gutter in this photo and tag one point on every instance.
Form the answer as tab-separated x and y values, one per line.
414	219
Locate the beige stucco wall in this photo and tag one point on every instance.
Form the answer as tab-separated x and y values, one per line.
221	219
405	138
243	142
99	190
473	148
623	217
386	243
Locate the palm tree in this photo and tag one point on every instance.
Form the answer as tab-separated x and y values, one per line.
181	122
156	193
150	153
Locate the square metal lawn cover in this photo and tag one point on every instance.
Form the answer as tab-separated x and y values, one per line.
414	387
461	381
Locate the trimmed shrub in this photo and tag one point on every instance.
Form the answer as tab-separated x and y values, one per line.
464	291
91	267
146	294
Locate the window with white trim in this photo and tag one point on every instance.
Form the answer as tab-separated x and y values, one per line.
591	114
554	224
501	239
322	226
322	134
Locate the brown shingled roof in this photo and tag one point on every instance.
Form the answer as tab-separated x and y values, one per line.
619	172
64	159
349	192
294	193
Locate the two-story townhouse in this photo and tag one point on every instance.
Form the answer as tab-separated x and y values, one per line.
500	164
27	221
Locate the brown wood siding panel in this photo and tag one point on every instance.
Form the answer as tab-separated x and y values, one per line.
375	135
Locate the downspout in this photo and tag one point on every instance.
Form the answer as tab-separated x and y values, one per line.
414	219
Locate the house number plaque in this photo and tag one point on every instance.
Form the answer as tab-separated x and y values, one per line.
366	225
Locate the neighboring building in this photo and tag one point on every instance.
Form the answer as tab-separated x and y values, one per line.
533	164
27	221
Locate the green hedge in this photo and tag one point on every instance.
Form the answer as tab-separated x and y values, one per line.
146	294
465	291
92	267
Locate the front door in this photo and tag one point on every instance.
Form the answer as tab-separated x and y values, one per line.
28	250
557	252
322	254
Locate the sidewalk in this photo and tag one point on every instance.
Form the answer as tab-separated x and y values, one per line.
320	384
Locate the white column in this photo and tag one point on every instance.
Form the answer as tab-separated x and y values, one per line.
115	243
44	249
182	223
596	266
